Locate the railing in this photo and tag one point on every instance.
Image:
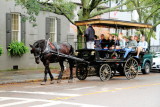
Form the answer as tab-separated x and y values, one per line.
155	48
79	45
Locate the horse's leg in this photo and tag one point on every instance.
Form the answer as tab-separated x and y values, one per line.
61	72
51	76
46	64
45	75
71	64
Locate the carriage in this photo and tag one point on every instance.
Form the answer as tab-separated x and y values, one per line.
90	62
106	63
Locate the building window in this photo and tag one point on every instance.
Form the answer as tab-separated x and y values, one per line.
53	30
16	27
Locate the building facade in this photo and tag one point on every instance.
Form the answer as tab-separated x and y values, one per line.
49	25
155	43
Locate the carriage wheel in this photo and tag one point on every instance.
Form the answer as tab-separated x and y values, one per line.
131	68
105	72
81	71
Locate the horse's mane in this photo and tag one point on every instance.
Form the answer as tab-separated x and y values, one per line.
38	42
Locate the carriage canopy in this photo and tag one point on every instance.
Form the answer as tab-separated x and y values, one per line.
111	23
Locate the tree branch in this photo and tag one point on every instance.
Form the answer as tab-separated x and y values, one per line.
108	10
94	4
65	15
103	2
115	9
151	14
156	24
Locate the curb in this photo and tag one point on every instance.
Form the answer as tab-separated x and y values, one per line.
31	80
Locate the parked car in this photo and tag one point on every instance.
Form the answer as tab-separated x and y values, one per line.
156	61
146	63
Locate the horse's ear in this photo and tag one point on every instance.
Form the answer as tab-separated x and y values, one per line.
31	45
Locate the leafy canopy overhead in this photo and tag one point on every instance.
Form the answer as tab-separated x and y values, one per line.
148	15
89	8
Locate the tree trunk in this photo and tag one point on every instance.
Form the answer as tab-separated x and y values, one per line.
79	38
80	30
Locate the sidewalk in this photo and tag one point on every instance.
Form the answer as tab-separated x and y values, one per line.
22	76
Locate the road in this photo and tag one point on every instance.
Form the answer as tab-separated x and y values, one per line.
143	91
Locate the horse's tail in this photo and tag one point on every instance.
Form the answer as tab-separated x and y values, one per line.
71	50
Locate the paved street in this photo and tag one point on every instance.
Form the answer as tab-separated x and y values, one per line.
143	91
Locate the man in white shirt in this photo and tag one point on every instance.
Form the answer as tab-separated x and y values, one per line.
142	46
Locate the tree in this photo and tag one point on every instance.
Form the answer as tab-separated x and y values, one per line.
148	15
66	8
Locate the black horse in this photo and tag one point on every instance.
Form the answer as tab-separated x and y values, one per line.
42	51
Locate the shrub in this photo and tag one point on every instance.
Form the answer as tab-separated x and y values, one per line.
1	51
16	48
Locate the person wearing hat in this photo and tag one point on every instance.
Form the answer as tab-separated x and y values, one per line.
89	34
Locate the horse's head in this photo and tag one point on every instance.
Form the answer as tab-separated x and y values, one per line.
36	50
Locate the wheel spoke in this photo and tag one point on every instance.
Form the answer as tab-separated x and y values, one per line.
81	72
105	72
131	68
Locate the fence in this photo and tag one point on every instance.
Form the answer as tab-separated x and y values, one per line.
155	48
79	45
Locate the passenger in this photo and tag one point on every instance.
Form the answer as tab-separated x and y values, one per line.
142	46
131	46
103	41
121	42
110	43
116	42
136	38
126	40
97	44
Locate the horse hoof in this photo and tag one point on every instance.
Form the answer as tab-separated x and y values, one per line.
58	81
43	83
52	82
70	80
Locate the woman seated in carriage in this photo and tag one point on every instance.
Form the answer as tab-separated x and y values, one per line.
120	43
142	46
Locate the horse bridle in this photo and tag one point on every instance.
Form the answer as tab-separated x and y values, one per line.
46	46
40	51
39	55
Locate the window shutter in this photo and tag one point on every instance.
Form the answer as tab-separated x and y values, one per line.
47	28
8	29
23	28
58	30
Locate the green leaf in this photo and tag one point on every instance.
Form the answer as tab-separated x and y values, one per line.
17	48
